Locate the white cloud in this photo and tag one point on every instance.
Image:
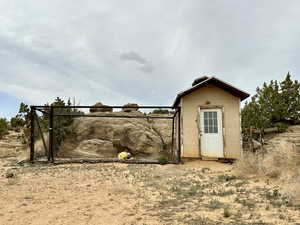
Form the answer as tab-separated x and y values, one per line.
67	48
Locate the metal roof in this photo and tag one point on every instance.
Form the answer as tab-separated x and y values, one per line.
204	81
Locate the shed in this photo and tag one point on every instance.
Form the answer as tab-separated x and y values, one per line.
210	119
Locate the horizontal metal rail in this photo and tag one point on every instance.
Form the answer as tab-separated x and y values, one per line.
112	116
103	107
108	160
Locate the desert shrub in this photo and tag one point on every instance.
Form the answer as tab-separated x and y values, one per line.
163	160
205	169
3	127
247	203
17	122
273	194
161	111
281	164
215	204
200	221
250	164
223	193
225	178
282	126
226	212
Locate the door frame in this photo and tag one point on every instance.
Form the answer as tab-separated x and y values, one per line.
199	127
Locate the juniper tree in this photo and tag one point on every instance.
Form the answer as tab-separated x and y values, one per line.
290	100
61	124
275	104
17	122
3	127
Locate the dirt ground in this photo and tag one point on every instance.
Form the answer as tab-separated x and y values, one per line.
195	193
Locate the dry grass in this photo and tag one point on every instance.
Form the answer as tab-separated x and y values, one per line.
123	194
281	165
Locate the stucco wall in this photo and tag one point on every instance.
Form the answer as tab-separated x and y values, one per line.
231	120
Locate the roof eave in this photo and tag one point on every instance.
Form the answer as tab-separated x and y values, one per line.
234	91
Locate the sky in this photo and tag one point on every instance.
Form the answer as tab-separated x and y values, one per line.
116	52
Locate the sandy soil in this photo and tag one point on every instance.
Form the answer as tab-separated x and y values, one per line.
190	194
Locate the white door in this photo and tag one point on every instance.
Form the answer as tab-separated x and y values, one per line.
211	133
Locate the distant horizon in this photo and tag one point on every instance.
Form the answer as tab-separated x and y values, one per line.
12	103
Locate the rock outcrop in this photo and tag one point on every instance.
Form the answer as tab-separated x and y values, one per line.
106	137
99	104
126	109
291	135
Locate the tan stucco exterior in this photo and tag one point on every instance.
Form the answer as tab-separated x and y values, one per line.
231	120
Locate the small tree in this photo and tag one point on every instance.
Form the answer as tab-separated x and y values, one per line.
290	100
250	116
62	124
17	122
3	127
24	114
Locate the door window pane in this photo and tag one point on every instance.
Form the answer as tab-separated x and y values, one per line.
210	122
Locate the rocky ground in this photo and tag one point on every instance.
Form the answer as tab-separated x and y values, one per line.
10	144
291	135
197	192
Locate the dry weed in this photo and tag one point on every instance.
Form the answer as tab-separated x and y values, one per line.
282	165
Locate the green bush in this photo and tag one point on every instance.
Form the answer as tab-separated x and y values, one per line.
226	212
163	160
17	122
225	178
282	127
161	111
3	127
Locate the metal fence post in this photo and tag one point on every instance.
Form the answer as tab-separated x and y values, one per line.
179	135
51	154
32	111
172	149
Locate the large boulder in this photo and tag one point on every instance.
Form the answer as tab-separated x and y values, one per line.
94	148
99	104
106	137
126	109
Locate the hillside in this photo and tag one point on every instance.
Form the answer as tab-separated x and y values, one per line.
10	144
291	136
